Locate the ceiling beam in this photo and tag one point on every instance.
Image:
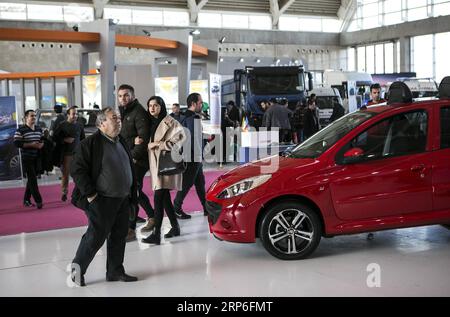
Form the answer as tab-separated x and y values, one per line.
277	8
194	7
346	13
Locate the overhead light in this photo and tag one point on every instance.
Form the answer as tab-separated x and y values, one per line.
222	40
241	60
146	32
195	32
277	61
115	21
168	62
221	59
258	60
98	63
296	62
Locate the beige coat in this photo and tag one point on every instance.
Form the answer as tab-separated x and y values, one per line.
168	133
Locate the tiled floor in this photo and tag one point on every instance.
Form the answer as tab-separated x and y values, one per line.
413	262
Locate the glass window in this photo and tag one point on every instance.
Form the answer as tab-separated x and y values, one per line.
379	59
351	59
78	14
331	25
442	44
389	58
392	6
176	18
441	9
235	21
210	20
260	22
147	17
287	23
416	3
370	10
393	18
13	11
371	22
45	12
402	134
122	15
361	59
310	24
445	128
417	14
370	59
423	55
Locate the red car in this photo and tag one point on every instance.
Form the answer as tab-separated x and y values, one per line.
380	168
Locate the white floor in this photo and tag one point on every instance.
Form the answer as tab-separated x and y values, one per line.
412	262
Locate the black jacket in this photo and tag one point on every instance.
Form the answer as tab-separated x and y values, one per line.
86	167
310	123
136	122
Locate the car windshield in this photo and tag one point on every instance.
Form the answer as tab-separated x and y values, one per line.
285	84
326	102
326	138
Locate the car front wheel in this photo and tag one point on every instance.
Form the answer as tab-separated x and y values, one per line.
290	230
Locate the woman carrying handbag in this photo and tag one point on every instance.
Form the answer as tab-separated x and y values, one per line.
166	135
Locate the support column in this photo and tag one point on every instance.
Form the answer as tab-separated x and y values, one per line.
53	90
106	49
38	92
405	54
22	93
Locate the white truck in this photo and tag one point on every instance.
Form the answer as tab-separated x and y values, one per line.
325	99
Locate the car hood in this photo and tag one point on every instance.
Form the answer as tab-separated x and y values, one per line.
262	167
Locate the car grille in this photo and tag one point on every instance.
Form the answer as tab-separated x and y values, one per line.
213	210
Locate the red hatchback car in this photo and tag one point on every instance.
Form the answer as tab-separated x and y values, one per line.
384	167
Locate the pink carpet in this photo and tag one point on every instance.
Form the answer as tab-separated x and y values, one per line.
14	218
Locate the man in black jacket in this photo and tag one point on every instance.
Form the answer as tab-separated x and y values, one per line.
102	169
136	123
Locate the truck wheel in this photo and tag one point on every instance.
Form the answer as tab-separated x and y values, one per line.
290	231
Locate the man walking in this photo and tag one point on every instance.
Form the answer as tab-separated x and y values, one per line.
28	138
136	123
69	134
194	169
102	169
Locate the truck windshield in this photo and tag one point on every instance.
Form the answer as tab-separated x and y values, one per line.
326	138
271	84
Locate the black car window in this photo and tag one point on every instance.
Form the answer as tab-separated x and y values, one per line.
445	128
401	134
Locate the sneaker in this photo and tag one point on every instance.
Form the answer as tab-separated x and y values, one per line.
77	280
28	203
173	232
39	205
152	239
64	197
149	225
131	235
182	215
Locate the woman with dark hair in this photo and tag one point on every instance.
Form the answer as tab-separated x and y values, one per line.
166	134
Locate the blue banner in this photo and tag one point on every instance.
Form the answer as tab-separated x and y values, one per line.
10	168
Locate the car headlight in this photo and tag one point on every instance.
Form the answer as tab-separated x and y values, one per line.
243	186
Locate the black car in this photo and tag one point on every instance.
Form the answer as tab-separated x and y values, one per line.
9	153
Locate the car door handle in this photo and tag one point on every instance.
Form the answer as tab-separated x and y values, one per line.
418	168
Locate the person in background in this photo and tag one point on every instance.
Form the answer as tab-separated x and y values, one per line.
277	116
136	123
298	115
28	138
338	111
310	119
176	112
194	159
375	95
166	134
60	117
106	189
68	134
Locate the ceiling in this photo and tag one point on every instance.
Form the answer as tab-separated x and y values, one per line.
298	7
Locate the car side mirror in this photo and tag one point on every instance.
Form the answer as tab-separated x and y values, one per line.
353	155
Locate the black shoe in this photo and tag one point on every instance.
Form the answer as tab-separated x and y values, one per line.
152	239
64	197
182	215
39	205
78	281
28	203
123	277
140	220
173	232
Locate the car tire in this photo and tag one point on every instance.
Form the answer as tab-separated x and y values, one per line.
280	228
14	166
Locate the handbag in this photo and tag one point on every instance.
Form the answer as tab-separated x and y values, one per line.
167	166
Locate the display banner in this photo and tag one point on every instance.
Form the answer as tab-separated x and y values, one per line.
167	89
215	97
351	91
10	167
92	91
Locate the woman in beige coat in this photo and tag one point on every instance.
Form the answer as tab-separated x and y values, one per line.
166	134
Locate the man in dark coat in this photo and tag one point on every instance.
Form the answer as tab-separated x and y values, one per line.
106	189
136	123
